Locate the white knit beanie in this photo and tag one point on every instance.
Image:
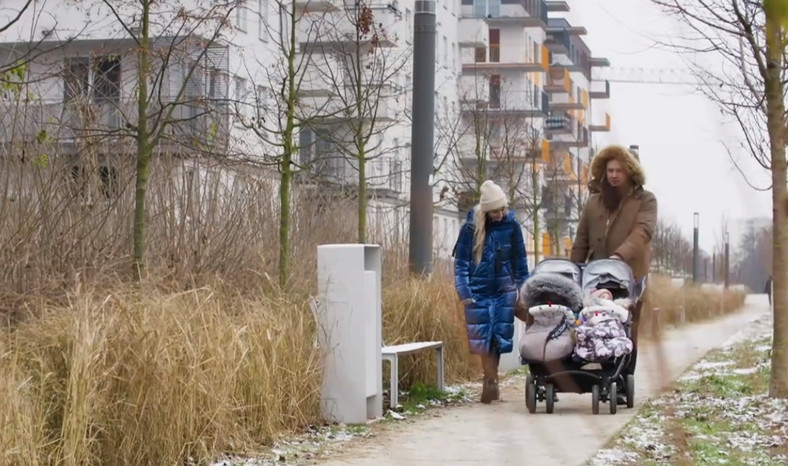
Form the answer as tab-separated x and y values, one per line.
492	198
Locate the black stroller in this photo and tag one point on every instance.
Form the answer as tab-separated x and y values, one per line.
566	375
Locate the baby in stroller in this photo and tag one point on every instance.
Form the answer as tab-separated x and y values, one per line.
600	335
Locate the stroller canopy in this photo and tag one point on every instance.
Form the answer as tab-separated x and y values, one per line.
612	274
563	267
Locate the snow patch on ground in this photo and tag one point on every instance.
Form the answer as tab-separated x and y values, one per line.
749	426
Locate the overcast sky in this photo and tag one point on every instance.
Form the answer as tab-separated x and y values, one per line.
680	132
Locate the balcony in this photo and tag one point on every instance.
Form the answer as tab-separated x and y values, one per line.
558	81
581	139
598	91
331	109
538	63
570	104
598	62
537	150
474	89
603	128
513	103
558	42
557	6
69	123
560	124
473	32
536	10
318	5
339	32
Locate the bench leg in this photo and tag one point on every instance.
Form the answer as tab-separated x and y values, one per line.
441	385
393	380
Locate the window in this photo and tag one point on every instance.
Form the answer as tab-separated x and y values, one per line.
396	175
240	16
99	79
495	91
495	45
106	78
480	55
305	137
262	16
76	79
240	88
480	8
494	8
284	25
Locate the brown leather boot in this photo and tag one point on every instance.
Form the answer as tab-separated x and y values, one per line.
490	391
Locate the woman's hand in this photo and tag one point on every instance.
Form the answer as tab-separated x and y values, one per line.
468	301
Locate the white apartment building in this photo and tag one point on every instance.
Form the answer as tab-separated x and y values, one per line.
501	61
569	128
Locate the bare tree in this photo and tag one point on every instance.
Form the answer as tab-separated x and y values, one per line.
749	39
286	104
356	53
168	41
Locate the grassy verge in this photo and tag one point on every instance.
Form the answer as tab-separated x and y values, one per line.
716	413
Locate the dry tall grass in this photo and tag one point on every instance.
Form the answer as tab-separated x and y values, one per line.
205	357
155	378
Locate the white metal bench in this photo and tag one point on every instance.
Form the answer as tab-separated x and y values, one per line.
392	354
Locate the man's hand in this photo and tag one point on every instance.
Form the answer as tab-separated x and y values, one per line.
468	301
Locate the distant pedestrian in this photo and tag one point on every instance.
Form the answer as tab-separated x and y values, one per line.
768	289
489	267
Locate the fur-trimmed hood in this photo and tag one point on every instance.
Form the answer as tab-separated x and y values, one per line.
598	164
543	288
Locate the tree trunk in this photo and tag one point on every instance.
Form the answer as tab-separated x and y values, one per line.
144	148
362	194
535	208
778	383
286	166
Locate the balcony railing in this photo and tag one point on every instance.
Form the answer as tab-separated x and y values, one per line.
563	123
536	9
558	42
558	80
69	122
600	92
603	127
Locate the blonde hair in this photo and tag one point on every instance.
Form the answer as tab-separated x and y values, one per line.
479	223
479	231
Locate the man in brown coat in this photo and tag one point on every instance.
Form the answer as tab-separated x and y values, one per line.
618	220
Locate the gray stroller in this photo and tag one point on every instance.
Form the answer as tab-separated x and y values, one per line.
566	374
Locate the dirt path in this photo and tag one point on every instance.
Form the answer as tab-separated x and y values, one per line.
504	433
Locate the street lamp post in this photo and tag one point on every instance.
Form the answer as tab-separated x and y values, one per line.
695	258
422	135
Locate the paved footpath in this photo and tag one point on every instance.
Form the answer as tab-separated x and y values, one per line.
504	433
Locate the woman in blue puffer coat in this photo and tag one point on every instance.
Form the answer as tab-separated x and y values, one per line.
489	268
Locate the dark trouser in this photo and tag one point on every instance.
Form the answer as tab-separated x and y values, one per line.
633	357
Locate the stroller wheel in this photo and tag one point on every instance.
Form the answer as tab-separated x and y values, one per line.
530	394
595	399
630	390
549	399
613	398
